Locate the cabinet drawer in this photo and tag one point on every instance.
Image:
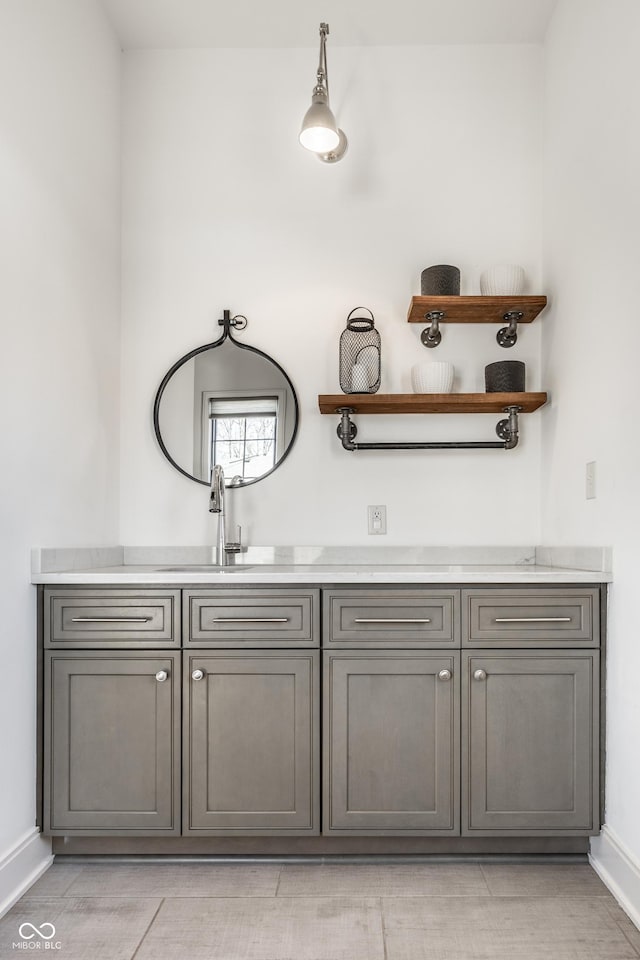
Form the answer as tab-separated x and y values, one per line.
264	618
530	617
377	618
112	618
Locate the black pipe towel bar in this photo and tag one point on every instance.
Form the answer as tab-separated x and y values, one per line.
506	429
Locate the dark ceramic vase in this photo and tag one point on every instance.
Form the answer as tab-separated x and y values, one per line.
441	280
504	376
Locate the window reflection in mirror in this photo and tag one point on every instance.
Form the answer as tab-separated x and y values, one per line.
241	433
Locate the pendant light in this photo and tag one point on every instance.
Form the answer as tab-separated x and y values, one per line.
319	132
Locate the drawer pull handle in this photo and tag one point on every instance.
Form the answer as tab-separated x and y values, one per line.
110	619
444	675
161	676
479	674
251	620
197	675
533	619
391	620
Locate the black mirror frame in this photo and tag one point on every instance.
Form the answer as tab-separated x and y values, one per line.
228	322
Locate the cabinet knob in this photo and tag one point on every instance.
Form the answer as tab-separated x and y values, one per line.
444	675
479	675
197	675
161	676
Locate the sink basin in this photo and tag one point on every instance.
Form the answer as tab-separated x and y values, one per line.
206	568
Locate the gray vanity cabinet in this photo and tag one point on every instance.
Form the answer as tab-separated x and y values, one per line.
391	742
251	742
448	711
112	743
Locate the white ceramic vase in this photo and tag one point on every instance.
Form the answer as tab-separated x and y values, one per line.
505	280
434	377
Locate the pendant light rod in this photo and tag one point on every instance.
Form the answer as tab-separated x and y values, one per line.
323	74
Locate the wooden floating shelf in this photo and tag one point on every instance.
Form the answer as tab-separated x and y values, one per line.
475	309
385	403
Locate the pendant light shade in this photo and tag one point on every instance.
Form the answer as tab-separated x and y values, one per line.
319	132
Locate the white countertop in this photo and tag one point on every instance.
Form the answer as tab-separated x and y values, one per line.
260	573
175	565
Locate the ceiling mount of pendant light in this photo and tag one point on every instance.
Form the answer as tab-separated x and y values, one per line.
319	132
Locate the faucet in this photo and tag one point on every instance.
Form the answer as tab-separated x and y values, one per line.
216	505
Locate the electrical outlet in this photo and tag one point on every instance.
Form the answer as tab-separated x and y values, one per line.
590	480
377	517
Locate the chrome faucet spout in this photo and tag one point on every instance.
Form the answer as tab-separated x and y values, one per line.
216	501
216	505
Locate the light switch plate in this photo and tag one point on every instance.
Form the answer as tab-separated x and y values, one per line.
590	480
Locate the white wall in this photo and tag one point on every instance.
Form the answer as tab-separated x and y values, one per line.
591	346
222	208
59	304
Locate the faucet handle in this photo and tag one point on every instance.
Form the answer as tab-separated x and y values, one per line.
234	546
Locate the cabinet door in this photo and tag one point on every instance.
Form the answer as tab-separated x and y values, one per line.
391	742
530	743
251	743
112	744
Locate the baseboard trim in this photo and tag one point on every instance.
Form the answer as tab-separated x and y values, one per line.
619	869
319	846
22	866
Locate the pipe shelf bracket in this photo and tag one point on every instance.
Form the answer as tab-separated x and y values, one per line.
432	336
507	336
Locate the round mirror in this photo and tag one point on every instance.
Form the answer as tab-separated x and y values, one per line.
229	404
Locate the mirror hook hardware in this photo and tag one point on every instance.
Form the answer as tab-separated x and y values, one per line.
432	336
507	336
347	430
239	322
507	429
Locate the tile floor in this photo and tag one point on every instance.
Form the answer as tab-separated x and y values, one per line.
271	911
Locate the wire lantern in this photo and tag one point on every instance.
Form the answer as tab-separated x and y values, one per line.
360	355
